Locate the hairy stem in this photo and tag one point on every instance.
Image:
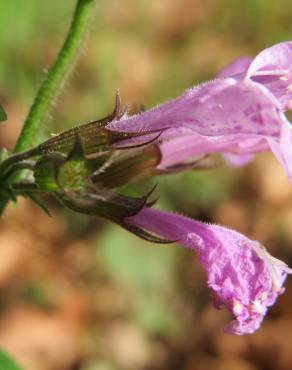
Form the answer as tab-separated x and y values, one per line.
55	78
53	82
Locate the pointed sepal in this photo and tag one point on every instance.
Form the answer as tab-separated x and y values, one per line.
114	207
3	115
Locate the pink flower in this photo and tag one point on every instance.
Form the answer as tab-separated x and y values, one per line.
243	276
239	114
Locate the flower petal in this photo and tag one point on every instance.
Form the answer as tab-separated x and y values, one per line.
236	160
242	274
221	107
282	147
237	67
237	149
275	59
273	68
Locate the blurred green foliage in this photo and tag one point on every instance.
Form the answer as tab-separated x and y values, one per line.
7	363
26	29
148	272
100	365
39	293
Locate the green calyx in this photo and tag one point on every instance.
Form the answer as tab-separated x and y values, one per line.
57	173
84	167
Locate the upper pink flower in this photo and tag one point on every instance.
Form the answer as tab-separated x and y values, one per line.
239	113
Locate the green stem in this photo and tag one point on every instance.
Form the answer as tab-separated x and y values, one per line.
53	83
56	77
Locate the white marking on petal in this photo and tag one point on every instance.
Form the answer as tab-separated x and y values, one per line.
196	240
258	307
237	308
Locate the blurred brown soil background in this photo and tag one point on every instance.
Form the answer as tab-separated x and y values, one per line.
80	293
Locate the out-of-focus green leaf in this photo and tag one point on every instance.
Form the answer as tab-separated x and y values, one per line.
7	363
40	293
149	271
3	115
3	154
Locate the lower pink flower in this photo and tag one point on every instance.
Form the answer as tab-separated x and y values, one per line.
243	276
